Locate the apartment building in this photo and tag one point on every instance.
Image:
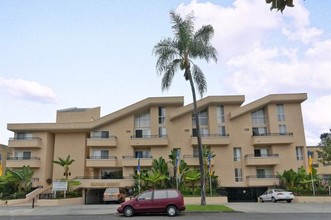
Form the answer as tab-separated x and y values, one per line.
324	170
252	142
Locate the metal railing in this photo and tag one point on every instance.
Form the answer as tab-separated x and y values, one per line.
261	177
102	157
23	158
100	137
261	156
274	134
24	138
149	136
133	157
212	135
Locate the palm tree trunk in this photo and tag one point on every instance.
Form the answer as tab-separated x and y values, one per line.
202	171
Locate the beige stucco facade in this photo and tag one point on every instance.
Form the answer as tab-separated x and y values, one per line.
251	142
324	170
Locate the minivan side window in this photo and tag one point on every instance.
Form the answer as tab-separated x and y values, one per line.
172	194
160	194
145	196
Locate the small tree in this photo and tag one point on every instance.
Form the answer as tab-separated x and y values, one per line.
192	176
325	148
23	178
65	163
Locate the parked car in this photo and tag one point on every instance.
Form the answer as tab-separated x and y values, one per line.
275	195
168	201
114	195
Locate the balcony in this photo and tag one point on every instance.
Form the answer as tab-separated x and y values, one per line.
129	161
252	160
102	142
193	160
27	142
149	140
272	138
212	139
19	162
267	180
94	161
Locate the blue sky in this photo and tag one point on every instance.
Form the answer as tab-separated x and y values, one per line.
62	54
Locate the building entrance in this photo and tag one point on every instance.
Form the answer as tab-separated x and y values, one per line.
245	194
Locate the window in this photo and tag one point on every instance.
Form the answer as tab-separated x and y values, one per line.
162	132
145	196
203	121
195	152
237	154
280	112
142	125
111	173
282	129
258	117
162	115
299	153
100	154
220	114
238	176
23	136
160	194
100	134
142	154
261	152
221	131
23	155
142	120
263	173
259	122
172	194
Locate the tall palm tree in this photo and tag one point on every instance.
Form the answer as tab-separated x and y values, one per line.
177	54
65	163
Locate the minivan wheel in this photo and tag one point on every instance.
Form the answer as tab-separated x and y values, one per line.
128	211
273	199
171	210
261	200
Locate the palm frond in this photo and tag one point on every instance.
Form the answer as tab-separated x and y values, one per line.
199	79
166	51
204	34
169	74
183	30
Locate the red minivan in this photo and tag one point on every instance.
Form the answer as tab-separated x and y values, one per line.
168	201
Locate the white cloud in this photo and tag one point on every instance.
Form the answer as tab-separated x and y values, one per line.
263	52
317	117
28	90
297	27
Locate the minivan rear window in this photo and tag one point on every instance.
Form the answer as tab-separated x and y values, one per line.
172	194
160	194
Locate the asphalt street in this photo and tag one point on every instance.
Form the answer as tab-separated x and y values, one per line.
319	210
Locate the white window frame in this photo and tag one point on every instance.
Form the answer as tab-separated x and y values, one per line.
238	175
237	154
299	152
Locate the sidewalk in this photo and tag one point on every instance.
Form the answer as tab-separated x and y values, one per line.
25	210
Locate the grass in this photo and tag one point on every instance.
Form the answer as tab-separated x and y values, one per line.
208	208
